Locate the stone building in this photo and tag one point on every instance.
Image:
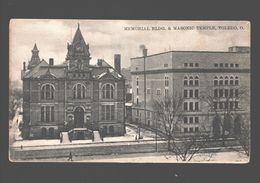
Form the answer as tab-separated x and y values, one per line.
72	96
191	74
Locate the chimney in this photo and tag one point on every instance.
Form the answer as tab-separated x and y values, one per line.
145	52
117	63
24	66
51	61
99	62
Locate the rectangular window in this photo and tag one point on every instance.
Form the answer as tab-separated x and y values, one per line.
158	92
215	105
226	92
220	105
196	106
47	113
103	112
165	65
185	93
191	130
137	91
215	65
236	93
148	91
231	93
107	112
191	93
191	119
196	93
196	129
185	64
185	106
191	64
52	113
216	93
231	65
166	92
221	65
137	101
231	105
236	104
112	112
137	82
191	106
196	65
226	65
221	93
185	120
237	65
196	119
42	113
185	130
225	105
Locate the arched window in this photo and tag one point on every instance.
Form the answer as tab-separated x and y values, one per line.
215	81
51	132
185	83
221	80
197	81
108	91
191	80
47	92
166	81
79	91
231	80
226	80
44	132
236	80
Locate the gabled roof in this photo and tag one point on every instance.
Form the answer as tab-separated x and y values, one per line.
109	72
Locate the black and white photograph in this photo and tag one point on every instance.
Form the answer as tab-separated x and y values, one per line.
129	91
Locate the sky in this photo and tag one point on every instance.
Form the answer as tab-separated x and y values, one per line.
109	37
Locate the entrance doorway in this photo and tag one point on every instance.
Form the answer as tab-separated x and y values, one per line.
79	117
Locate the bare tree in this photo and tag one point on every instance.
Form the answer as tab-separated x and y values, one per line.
169	112
243	136
224	104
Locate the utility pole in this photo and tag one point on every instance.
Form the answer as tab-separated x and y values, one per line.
145	55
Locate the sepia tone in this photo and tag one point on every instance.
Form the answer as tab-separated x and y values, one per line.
187	99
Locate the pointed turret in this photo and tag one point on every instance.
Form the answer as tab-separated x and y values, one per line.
35	60
78	51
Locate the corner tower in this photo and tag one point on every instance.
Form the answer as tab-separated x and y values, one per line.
35	60
78	55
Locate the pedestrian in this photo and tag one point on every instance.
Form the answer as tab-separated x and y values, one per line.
70	157
61	137
135	137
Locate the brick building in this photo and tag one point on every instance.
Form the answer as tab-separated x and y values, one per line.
192	74
72	95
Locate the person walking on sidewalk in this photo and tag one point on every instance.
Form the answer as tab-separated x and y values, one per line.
70	157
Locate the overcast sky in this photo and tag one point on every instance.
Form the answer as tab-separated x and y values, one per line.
109	37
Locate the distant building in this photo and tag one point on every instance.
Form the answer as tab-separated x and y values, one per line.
73	95
190	74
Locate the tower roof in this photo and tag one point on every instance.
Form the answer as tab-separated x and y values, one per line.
78	36
35	47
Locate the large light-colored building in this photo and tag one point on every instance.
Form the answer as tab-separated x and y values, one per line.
191	74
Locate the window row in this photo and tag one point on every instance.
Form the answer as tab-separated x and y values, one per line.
191	106
47	113
228	93
108	112
190	119
191	93
191	64
226	105
191	130
232	65
49	133
191	81
226	81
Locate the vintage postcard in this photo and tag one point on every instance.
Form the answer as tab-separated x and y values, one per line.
129	91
